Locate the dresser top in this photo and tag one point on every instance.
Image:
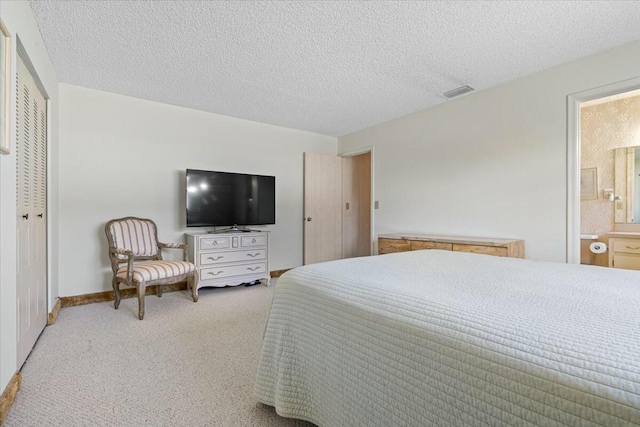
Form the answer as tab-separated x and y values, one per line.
226	233
463	240
631	234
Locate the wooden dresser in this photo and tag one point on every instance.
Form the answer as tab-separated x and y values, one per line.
402	242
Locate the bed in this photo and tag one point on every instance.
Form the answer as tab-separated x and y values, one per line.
447	338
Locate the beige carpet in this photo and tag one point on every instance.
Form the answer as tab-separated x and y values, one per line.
185	364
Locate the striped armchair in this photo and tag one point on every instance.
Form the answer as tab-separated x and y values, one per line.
136	259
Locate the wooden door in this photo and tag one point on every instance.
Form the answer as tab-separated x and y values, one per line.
31	175
356	205
322	208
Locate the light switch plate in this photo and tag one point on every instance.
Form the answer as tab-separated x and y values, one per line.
376	205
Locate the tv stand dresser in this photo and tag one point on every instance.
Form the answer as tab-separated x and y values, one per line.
229	259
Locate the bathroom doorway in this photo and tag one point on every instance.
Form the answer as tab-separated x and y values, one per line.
606	135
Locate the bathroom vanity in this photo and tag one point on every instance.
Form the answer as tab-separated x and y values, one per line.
624	250
624	242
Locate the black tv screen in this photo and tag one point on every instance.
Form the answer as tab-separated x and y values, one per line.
227	199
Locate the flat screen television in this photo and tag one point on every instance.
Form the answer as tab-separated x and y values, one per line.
228	199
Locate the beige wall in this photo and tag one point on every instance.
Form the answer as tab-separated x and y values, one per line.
493	163
605	127
126	156
21	24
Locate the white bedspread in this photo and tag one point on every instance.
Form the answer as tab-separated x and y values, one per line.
445	338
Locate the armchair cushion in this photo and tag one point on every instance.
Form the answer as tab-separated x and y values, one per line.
153	270
135	235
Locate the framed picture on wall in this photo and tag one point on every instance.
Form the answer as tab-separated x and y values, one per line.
5	88
589	184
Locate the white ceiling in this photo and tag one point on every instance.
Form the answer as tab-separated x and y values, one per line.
326	67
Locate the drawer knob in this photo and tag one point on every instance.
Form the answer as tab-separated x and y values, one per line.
252	269
253	241
216	258
253	255
215	242
211	273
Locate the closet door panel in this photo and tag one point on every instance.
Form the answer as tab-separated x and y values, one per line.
23	195
39	205
31	137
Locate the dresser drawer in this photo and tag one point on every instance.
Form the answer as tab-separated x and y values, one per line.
251	241
389	246
630	246
417	245
214	243
234	270
484	250
235	256
626	261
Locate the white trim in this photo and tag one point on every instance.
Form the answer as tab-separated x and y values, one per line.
50	297
573	180
573	157
356	152
5	98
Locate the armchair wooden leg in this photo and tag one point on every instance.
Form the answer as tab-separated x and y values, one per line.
142	288
193	282
159	291
116	291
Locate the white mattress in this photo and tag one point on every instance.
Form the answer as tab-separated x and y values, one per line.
445	338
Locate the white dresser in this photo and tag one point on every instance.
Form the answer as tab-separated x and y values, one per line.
230	259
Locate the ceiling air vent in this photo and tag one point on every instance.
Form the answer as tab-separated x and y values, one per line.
458	91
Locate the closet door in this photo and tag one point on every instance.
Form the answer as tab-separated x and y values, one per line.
31	155
322	214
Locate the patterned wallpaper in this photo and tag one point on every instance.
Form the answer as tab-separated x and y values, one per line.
605	127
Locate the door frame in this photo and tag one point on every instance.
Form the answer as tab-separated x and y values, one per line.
357	152
573	157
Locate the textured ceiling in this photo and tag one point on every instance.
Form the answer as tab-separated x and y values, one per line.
326	67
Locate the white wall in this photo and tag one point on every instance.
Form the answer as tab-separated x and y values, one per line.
492	163
125	156
19	20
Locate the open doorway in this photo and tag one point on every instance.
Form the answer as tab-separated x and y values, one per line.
609	140
356	205
600	148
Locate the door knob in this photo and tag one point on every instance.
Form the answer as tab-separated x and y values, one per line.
39	215
309	218
25	216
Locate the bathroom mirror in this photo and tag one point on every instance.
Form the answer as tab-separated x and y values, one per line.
627	185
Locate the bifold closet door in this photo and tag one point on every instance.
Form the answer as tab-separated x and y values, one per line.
31	244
